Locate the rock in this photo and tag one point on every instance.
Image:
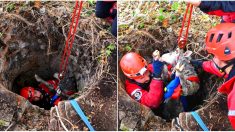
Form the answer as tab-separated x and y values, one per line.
214	115
95	112
8	107
43	47
24	53
16	109
31	117
23	44
137	117
42	10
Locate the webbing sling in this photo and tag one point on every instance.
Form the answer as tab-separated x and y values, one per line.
81	114
199	121
184	102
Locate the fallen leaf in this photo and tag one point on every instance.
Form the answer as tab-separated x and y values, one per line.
37	4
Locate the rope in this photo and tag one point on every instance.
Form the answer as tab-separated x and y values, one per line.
182	40
70	38
199	121
81	114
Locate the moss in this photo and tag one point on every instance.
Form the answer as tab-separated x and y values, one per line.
3	123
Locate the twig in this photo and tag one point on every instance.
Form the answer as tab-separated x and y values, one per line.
49	46
112	76
13	123
148	35
82	38
57	112
20	18
212	100
65	36
73	126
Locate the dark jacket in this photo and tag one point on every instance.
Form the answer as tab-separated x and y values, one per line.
225	9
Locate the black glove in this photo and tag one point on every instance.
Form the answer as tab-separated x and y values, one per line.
157	68
196	63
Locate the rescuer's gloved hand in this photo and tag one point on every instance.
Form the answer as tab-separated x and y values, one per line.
157	68
169	89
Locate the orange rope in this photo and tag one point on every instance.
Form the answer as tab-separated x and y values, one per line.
70	39
182	40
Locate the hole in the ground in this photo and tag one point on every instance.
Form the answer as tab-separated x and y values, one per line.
27	78
29	54
194	102
145	47
20	70
46	72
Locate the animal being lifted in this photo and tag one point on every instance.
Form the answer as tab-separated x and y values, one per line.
180	63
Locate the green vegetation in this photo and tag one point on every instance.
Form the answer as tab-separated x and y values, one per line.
10	6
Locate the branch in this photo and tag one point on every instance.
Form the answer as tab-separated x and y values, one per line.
20	18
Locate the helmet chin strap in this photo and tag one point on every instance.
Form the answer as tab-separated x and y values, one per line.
222	69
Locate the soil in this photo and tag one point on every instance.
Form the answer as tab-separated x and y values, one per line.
32	42
143	33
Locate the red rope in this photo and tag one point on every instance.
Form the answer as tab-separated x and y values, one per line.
70	39
185	38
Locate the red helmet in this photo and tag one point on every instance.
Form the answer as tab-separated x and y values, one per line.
220	41
28	93
133	65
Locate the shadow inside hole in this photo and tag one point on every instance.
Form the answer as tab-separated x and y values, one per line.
26	79
194	102
174	108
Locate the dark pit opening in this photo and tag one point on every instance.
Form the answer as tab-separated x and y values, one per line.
27	78
194	102
44	67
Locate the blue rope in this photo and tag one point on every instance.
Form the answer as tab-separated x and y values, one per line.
199	121
53	99
81	114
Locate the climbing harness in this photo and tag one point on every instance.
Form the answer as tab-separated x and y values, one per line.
54	98
81	114
70	39
199	120
182	40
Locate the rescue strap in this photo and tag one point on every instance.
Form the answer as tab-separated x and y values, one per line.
81	114
54	98
199	121
184	103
